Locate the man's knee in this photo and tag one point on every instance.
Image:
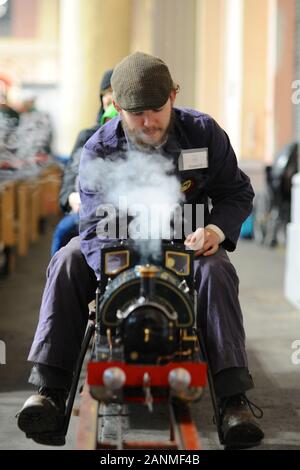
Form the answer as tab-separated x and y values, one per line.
217	266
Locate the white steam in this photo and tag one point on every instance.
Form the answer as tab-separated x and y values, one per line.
142	184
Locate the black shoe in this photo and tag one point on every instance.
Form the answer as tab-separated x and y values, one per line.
239	429
42	416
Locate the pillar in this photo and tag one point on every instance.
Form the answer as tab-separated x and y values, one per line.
233	71
284	72
209	57
166	28
255	79
48	24
94	36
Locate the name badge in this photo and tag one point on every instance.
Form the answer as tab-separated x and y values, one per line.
193	159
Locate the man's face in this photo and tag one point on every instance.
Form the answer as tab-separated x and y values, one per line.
149	127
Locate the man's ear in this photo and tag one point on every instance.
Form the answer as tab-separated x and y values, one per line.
117	106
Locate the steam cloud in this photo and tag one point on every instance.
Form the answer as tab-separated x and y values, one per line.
146	182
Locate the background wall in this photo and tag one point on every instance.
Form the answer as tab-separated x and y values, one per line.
234	59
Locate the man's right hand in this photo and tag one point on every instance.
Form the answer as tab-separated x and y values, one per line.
203	241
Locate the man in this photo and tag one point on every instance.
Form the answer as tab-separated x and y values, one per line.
144	94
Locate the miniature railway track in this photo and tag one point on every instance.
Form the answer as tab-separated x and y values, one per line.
183	433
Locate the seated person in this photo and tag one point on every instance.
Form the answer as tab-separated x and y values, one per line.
69	198
144	95
9	121
35	131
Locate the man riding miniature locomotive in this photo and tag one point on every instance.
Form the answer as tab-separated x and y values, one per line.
144	95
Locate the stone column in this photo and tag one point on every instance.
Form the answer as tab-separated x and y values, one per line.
48	25
257	79
94	36
173	32
209	57
166	28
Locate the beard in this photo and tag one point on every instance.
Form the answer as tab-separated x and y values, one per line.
140	139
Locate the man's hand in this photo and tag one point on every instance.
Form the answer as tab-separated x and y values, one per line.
204	241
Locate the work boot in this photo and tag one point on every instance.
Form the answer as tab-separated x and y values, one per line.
240	430
42	416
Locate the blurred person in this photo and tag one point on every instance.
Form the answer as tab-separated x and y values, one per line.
28	102
69	199
144	95
34	133
5	109
9	121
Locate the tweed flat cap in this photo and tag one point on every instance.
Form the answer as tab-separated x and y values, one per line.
140	82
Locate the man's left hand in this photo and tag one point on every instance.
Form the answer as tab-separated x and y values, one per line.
204	241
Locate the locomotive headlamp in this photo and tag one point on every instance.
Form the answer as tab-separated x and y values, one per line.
179	379
116	261
178	262
114	378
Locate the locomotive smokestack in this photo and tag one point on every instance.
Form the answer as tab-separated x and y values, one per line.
147	273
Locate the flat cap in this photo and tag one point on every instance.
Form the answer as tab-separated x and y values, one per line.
140	82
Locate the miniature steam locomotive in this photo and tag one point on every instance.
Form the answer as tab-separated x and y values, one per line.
145	345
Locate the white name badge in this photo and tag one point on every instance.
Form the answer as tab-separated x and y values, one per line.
193	159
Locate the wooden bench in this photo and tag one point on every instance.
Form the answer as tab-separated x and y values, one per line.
23	204
8	221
